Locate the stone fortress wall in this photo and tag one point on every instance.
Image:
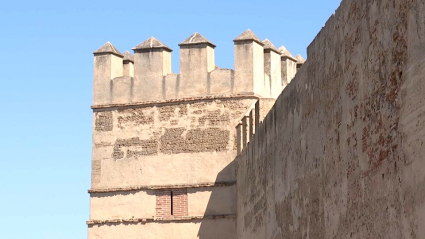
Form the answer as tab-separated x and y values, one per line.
211	153
341	154
164	143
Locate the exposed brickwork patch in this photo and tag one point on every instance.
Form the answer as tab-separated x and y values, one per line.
236	107
170	111
134	117
195	140
215	118
171	203
134	147
95	171
103	121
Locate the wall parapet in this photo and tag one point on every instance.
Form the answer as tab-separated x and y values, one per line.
246	128
147	76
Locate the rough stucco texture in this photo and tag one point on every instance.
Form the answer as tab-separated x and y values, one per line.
168	144
185	143
165	230
341	153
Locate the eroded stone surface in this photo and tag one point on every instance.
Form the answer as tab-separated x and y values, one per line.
339	155
141	150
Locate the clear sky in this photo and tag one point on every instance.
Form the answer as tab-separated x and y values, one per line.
46	68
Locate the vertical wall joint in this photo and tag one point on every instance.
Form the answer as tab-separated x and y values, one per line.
272	71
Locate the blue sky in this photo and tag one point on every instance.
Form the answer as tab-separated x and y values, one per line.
46	66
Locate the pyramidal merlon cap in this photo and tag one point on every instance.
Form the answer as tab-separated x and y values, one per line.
285	53
108	48
246	36
151	43
269	46
128	57
300	59
196	38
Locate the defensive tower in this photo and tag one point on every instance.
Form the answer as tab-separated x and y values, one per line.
163	143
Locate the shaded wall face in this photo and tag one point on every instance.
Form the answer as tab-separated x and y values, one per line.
291	70
215	201
275	73
340	155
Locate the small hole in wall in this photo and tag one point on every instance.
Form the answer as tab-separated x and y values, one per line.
383	176
171	197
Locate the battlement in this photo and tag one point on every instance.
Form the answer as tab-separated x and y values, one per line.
261	69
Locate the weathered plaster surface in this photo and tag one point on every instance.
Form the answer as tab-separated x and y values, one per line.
140	149
165	144
289	70
223	202
341	155
106	66
223	229
117	205
196	62
249	68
